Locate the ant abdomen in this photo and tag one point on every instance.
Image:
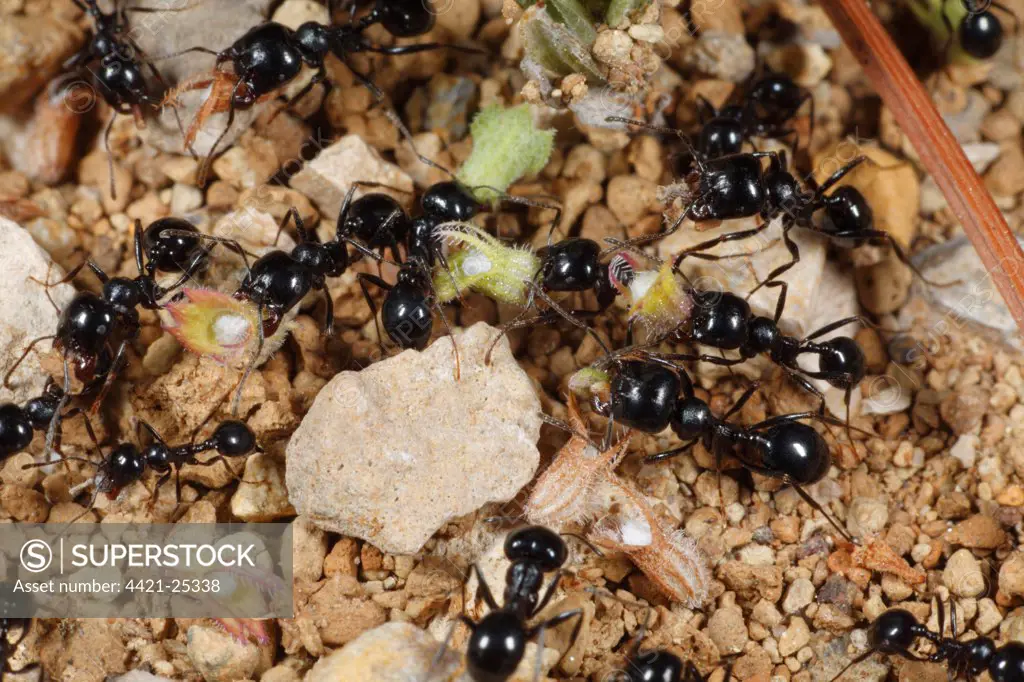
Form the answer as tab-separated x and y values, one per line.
795	451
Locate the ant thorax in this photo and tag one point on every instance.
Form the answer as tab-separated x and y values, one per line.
481	263
657	298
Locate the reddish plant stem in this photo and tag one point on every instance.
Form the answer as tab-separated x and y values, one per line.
939	151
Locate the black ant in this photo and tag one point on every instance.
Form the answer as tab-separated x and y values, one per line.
652	392
90	324
658	665
19	424
979	32
119	76
723	320
894	632
771	102
848	219
270	55
497	641
126	463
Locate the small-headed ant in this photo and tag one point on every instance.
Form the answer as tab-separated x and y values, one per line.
119	78
894	632
91	324
652	392
126	463
19	424
271	55
769	105
497	641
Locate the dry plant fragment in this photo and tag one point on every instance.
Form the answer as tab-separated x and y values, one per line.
874	556
565	492
666	555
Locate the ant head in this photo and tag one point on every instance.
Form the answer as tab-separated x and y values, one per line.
719	319
313	42
643	395
654	666
846	210
496	646
15	430
1007	663
893	632
169	252
405	18
375	219
692	419
449	200
775	98
123	293
797	452
125	465
981	34
158	457
536	545
844	360
572	265
233	438
980	651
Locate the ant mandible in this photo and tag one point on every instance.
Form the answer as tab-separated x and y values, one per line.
497	641
894	632
649	391
270	55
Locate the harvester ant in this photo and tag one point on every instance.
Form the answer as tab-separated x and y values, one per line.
723	320
497	641
91	324
119	77
126	463
271	55
894	632
649	392
19	424
771	102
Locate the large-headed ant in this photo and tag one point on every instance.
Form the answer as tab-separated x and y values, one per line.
126	463
894	633
649	392
498	640
271	55
119	65
92	324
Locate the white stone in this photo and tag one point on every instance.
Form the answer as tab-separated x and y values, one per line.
25	312
393	652
327	178
799	595
219	657
391	453
965	449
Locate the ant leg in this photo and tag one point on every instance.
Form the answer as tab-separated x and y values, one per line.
152	432
814	503
837	176
110	154
398	50
548	594
448	328
711	243
772	278
863	657
252	363
738	405
172	55
291	214
111	375
552	622
329	314
697	157
365	278
189	273
28	349
669	454
232	244
568	317
483	590
204	168
55	421
319	77
837	324
877	236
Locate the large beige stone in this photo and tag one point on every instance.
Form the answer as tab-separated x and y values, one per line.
391	453
25	312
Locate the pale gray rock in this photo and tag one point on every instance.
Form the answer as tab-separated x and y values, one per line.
391	453
25	312
327	178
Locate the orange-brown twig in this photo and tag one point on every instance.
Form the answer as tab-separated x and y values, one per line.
939	151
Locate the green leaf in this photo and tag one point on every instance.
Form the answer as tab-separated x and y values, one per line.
506	147
556	48
575	17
